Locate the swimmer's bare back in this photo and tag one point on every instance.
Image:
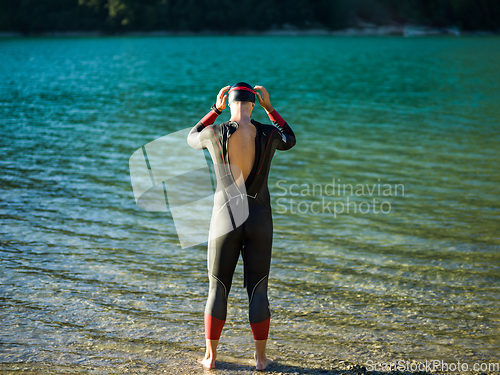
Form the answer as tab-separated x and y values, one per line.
241	148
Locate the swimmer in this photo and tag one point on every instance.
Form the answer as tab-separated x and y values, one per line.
250	146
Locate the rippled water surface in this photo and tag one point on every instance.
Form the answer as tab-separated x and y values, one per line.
88	279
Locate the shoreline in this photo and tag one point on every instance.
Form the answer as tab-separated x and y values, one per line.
138	357
387	30
185	362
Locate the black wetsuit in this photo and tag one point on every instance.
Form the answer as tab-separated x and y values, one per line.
253	238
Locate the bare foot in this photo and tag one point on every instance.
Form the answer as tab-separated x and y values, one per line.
262	363
207	362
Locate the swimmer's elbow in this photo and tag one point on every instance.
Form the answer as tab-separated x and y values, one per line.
290	144
288	141
288	137
193	140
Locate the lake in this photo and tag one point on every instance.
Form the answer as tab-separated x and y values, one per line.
403	132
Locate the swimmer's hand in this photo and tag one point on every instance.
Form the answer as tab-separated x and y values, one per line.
221	98
264	100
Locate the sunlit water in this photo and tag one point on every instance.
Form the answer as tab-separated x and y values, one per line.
88	279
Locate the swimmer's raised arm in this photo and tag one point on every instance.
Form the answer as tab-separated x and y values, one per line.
288	138
195	135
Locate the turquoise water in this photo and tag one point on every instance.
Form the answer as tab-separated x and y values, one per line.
88	279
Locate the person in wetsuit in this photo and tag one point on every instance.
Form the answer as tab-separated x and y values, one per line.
250	146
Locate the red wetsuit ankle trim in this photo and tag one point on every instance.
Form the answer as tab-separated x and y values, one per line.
213	327
260	331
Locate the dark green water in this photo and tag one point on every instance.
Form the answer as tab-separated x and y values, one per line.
88	279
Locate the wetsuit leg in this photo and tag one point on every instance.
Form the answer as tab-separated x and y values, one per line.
223	254
258	232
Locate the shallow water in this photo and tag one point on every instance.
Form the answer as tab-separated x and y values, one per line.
88	279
